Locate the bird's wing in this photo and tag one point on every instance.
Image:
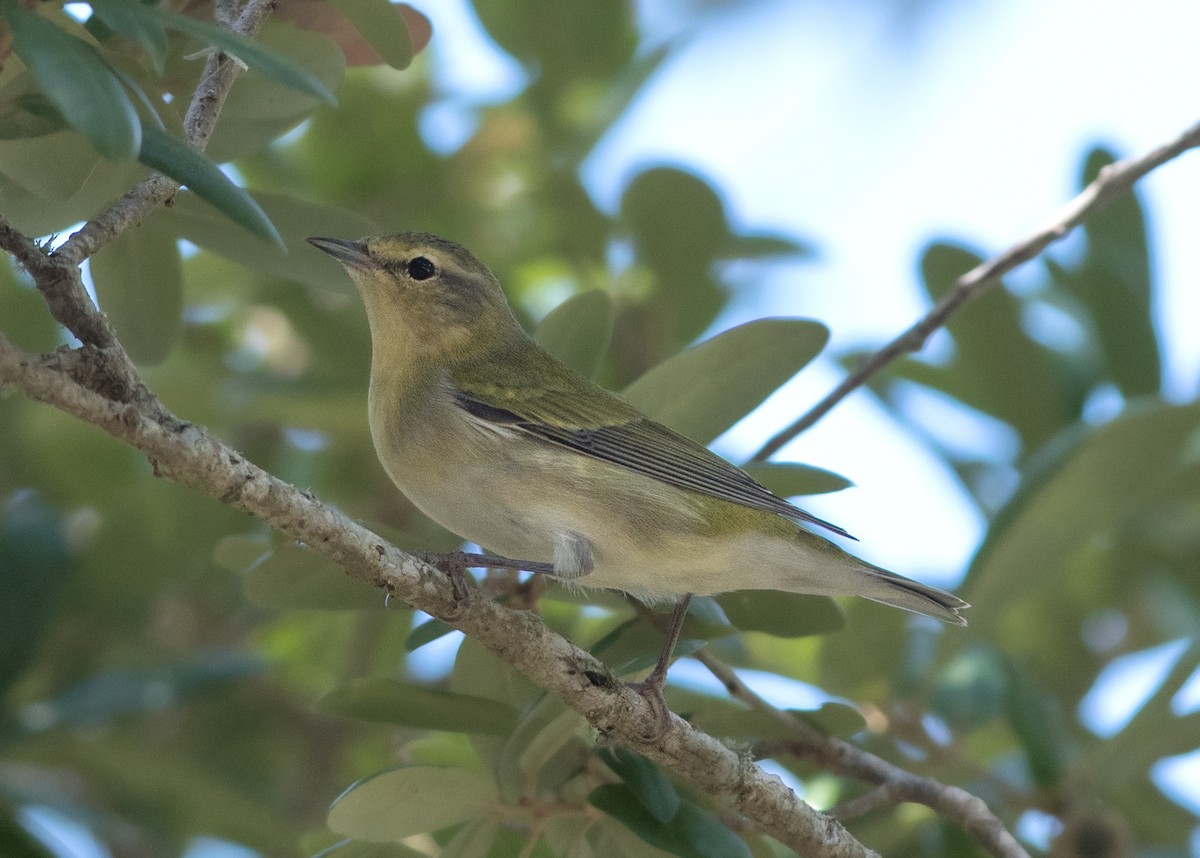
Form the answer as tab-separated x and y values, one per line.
566	409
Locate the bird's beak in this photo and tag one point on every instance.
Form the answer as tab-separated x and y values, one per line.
351	253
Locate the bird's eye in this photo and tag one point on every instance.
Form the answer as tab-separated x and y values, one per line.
421	268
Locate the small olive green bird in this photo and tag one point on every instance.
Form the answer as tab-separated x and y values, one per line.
499	442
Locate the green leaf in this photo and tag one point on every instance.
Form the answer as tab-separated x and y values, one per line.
76	79
692	832
133	21
578	330
427	632
185	165
648	783
259	109
786	615
971	690
15	841
139	285
1037	720
52	166
379	22
1036	393
358	849
296	219
393	702
253	54
789	479
1081	489
706	389
124	691
399	803
292	577
35	569
1114	282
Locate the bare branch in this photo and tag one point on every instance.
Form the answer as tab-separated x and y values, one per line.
1114	181
189	455
198	124
894	785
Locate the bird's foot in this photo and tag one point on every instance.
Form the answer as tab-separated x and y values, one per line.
651	688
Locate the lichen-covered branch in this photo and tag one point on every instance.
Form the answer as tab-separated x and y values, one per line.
189	455
894	785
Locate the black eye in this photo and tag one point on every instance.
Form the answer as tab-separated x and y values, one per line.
421	268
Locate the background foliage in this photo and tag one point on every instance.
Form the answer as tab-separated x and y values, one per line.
170	671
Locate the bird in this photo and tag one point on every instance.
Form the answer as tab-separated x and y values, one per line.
502	444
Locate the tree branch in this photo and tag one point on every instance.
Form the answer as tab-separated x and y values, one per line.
189	455
1114	181
198	124
894	785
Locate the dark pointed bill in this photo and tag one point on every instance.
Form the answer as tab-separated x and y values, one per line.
344	251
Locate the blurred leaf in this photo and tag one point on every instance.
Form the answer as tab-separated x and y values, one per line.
133	21
1031	390
787	615
562	40
292	577
239	552
474	840
677	220
1038	722
358	849
789	479
548	742
15	841
766	246
1114	282
393	702
521	756
635	645
253	54
1082	486
648	782
77	80
578	330
176	159
384	28
295	219
259	109
972	689
52	166
38	215
729	720
399	803
478	672
124	691
139	285
427	632
35	570
703	391
691	833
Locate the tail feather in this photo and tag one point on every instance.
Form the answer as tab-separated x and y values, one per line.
900	592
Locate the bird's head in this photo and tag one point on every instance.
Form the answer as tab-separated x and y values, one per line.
425	296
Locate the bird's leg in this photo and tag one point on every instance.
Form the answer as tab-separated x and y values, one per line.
652	686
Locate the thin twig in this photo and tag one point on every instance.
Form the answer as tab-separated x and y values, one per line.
198	124
894	785
1114	181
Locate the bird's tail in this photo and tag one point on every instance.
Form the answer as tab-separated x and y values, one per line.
879	585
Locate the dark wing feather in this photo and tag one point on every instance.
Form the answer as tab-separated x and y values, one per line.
649	448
